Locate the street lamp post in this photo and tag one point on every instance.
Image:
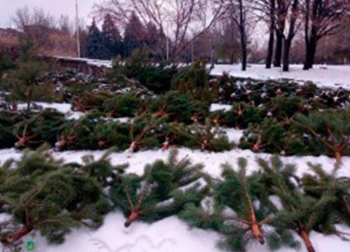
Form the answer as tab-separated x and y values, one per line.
167	43
77	28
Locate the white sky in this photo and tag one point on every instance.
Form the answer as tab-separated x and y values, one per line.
54	7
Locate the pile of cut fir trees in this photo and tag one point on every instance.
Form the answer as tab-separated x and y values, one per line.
272	205
257	92
177	117
172	119
284	125
170	106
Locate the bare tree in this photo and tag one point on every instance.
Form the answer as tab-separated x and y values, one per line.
175	19
52	39
22	18
282	11
283	19
238	13
65	24
226	40
293	15
42	18
272	27
321	18
265	10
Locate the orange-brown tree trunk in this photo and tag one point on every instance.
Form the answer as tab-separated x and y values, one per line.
306	239
132	217
257	233
13	237
338	156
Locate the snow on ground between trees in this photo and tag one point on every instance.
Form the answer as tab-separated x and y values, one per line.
171	234
322	75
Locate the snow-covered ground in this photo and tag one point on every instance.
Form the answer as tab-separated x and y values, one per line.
95	62
64	108
168	235
171	234
323	75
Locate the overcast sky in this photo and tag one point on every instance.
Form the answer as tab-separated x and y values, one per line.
54	7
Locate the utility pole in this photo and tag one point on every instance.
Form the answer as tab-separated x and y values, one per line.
77	27
167	43
192	50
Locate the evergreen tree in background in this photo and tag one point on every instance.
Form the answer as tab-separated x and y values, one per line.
134	35
111	37
155	41
95	48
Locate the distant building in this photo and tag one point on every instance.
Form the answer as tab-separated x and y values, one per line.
9	37
50	41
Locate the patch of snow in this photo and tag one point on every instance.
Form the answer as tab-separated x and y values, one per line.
6	154
64	108
60	107
168	235
201	182
165	203
211	161
217	107
95	62
233	135
332	76
112	236
276	201
124	119
4	217
74	115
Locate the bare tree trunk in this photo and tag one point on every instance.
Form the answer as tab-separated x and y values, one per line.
279	47
232	58
286	53
271	36
311	46
242	30
293	16
282	11
270	50
244	55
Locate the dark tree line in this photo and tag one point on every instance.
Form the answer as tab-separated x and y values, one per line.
108	42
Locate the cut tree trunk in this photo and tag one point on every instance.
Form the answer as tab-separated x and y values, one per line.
257	233
338	156
13	237
132	217
306	239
